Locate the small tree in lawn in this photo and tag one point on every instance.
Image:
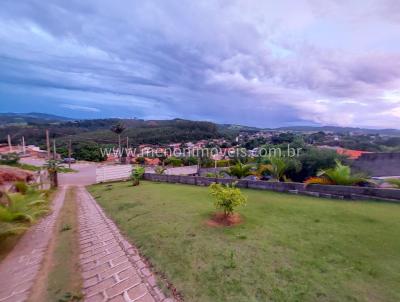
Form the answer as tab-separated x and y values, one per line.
137	175
227	197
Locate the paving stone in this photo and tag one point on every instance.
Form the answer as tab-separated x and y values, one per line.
119	298
111	260
99	297
119	260
127	273
137	291
90	282
120	287
99	269
100	287
115	270
146	298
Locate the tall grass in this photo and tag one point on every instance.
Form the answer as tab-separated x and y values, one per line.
22	211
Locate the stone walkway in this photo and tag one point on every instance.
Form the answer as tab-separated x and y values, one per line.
112	269
20	268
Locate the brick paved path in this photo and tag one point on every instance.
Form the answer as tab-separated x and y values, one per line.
20	268
112	270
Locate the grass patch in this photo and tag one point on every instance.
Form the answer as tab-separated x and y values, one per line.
289	248
25	166
64	281
23	211
33	168
66	170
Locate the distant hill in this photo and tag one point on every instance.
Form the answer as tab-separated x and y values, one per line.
33	126
30	118
98	131
336	129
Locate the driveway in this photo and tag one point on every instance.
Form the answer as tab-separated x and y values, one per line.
86	175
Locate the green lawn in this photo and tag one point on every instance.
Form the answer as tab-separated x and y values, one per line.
289	248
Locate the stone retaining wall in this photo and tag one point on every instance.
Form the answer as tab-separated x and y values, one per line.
339	192
378	164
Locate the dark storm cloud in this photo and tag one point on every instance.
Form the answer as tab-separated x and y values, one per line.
252	62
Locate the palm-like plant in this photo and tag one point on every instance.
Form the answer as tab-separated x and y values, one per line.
118	128
52	167
338	175
21	211
239	170
275	166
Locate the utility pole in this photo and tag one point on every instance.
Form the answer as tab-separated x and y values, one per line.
48	144
23	145
9	142
127	142
69	154
54	148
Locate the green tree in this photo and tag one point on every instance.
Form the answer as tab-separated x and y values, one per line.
89	151
313	160
227	197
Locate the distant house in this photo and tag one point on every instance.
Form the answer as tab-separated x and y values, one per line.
352	154
37	152
152	161
30	150
5	149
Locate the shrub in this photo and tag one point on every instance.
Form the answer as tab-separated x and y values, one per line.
137	174
4	199
339	175
313	160
211	174
9	159
140	160
227	197
239	170
175	162
21	187
276	167
159	170
189	161
318	181
395	182
223	163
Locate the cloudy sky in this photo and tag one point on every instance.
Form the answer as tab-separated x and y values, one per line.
263	63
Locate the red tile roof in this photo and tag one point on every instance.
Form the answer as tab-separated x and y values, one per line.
352	154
